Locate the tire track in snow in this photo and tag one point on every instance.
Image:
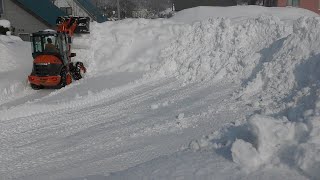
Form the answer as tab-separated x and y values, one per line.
79	136
35	126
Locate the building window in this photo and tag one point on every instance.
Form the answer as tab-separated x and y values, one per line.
294	3
1	7
67	10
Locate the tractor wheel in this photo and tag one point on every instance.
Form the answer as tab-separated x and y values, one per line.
63	75
35	87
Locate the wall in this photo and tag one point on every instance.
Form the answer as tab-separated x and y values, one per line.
1	7
312	5
282	3
76	10
21	20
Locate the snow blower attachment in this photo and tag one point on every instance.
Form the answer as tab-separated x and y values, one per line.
52	66
81	22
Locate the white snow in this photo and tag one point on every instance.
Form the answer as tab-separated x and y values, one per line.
15	66
5	23
49	30
269	133
180	116
217	48
207	94
154	106
244	154
240	13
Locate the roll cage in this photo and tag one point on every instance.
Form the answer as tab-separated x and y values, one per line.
59	40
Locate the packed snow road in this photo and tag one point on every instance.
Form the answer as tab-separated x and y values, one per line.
117	132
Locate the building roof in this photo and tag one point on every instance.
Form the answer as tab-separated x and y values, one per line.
43	9
45	33
91	9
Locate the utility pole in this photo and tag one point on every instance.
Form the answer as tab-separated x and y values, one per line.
118	7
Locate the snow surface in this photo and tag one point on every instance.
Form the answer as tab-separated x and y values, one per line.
239	13
207	94
5	23
15	66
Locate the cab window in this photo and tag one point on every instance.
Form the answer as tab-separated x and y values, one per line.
37	45
64	44
63	48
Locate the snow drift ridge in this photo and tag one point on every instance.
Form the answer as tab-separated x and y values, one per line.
277	64
217	48
288	85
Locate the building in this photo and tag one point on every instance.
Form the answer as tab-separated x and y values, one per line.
313	5
1	8
83	8
26	17
185	4
269	3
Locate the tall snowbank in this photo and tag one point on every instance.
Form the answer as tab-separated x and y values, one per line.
290	72
288	84
128	45
240	13
139	44
16	64
217	48
8	52
275	61
6	56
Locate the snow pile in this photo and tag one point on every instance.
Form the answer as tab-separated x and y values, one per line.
240	13
141	45
128	45
290	73
287	84
7	51
14	66
218	48
5	23
279	141
277	62
6	56
269	133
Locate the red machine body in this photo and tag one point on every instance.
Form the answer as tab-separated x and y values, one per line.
52	65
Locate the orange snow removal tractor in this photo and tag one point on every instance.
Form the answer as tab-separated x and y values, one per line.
52	66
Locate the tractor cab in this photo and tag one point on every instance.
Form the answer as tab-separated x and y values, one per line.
51	43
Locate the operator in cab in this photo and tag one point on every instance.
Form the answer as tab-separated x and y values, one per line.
50	47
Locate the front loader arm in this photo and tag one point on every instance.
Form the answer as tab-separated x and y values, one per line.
72	25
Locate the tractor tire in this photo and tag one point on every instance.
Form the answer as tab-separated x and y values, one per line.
63	75
35	87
